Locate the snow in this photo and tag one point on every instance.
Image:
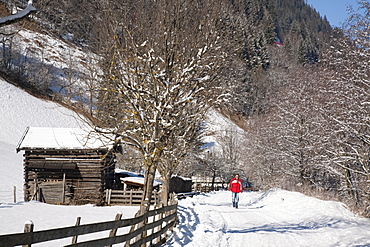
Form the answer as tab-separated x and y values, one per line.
218	126
45	216
19	110
274	218
63	138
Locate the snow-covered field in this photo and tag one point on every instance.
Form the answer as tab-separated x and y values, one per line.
274	218
46	216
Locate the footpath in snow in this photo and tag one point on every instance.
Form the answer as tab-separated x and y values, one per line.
274	218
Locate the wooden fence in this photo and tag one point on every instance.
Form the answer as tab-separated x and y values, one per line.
149	228
128	197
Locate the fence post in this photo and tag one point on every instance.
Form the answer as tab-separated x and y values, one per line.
113	232
28	227
74	238
130	197
144	234
109	195
15	194
63	187
160	217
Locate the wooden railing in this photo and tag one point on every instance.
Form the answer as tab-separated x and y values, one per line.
128	197
150	227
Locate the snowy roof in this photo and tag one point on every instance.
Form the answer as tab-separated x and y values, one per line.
128	173
183	178
140	181
62	138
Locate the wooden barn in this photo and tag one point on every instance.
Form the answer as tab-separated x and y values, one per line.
66	165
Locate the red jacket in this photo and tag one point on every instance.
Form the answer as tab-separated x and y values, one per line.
236	185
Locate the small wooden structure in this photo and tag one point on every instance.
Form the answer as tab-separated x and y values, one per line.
66	165
126	180
180	184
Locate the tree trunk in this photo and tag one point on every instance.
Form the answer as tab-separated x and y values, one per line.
166	189
150	169
213	180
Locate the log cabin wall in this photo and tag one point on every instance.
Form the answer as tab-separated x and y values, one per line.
68	176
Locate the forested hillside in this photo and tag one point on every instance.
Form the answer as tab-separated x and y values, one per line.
297	87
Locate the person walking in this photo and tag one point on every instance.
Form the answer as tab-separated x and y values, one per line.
235	186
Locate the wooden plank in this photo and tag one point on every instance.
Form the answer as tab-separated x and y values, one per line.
113	232
62	156
28	228
63	187
74	238
109	240
151	237
127	237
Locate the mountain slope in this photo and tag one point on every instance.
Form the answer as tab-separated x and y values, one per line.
19	110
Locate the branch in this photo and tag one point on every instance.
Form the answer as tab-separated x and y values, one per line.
18	16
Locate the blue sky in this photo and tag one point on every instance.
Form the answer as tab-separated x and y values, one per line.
335	10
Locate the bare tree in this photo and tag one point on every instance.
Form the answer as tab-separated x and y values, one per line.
348	59
161	60
185	140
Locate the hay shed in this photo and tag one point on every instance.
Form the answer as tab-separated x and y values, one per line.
67	165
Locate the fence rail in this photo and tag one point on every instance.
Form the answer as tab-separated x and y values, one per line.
128	197
150	227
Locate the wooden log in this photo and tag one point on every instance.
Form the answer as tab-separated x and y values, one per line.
61	156
109	196
74	238
15	194
130	198
63	187
160	217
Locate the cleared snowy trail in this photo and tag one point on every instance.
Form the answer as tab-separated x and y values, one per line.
274	218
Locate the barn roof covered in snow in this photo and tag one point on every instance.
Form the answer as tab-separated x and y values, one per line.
139	181
63	138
